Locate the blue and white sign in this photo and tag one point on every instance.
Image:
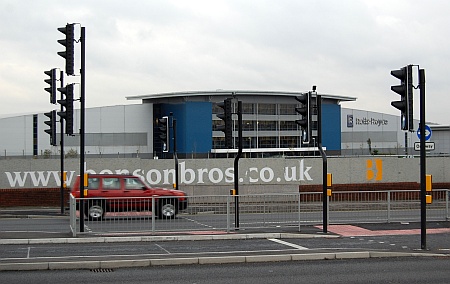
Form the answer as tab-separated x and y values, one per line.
427	132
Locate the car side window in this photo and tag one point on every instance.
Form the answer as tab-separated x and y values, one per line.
93	183
111	183
133	183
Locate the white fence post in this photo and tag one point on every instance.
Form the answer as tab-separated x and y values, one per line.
389	207
446	204
153	214
228	212
73	215
299	214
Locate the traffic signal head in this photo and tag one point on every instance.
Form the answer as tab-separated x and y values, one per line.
405	90
227	126
67	103
163	124
52	126
313	118
305	111
69	43
52	84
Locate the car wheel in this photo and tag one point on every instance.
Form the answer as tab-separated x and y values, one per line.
167	209
95	211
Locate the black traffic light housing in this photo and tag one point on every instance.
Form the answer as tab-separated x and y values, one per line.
52	126
305	111
405	90
52	84
227	126
69	43
67	103
313	119
163	125
309	120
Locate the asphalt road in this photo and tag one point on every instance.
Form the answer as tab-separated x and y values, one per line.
49	252
47	241
55	225
392	270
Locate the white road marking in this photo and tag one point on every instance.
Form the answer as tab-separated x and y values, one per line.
197	222
288	244
168	252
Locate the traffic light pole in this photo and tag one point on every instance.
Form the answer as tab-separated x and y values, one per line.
61	121
324	165
423	204
82	122
236	167
174	129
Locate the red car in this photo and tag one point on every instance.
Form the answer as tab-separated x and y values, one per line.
114	193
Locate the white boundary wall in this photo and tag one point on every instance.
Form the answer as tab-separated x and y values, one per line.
216	176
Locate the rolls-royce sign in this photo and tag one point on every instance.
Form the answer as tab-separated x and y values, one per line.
351	121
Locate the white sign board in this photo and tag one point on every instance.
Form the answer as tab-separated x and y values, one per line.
428	146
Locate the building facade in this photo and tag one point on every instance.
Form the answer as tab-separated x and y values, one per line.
269	129
268	122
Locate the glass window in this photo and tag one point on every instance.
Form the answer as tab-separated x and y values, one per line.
267	142
288	125
133	183
287	109
267	125
269	109
248	108
249	142
248	125
216	123
218	142
93	183
111	183
288	141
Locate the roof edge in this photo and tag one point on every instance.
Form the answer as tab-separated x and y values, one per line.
235	92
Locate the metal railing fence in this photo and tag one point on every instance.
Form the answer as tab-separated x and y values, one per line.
374	206
216	213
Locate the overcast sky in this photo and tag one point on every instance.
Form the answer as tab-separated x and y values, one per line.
345	47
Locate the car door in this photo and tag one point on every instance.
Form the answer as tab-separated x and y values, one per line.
136	191
111	190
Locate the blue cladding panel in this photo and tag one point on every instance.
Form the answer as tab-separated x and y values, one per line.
199	129
331	126
194	126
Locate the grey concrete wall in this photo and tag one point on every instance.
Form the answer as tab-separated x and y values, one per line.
216	176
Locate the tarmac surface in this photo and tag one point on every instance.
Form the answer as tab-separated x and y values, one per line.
341	241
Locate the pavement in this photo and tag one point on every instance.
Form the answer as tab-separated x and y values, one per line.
361	234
